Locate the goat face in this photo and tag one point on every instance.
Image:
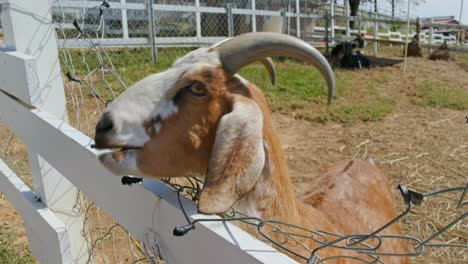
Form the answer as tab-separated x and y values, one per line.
166	117
199	118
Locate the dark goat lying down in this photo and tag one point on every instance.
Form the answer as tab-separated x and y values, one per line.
345	57
355	61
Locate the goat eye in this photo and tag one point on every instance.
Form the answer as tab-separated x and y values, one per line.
197	89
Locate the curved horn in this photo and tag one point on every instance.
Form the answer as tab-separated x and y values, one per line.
247	48
267	62
270	66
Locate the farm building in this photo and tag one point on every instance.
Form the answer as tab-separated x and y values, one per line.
442	34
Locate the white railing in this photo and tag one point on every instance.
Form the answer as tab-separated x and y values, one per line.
32	106
290	20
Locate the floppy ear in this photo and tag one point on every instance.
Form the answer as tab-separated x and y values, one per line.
237	158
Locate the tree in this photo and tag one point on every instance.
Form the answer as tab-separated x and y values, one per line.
354	7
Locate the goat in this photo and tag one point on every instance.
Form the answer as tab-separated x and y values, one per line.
414	50
355	61
200	118
344	56
442	53
347	45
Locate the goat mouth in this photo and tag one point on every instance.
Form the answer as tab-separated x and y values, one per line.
116	148
128	148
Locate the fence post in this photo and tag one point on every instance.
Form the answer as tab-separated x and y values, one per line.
326	33
431	33
359	25
124	20
348	29
285	23
33	33
376	36
254	16
198	19
152	40
286	15
230	20
332	21
298	19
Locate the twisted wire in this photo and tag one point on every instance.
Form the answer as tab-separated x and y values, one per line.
355	242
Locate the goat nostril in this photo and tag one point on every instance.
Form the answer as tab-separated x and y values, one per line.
105	124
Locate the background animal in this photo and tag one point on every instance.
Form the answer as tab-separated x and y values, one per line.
442	53
414	50
200	118
344	56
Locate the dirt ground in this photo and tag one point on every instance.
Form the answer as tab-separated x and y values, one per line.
423	148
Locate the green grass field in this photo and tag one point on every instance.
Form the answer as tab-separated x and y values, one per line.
299	87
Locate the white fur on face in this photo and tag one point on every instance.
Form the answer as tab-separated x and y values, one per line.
147	99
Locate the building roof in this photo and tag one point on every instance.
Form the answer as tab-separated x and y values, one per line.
444	20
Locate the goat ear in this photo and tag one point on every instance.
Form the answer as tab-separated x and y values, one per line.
237	158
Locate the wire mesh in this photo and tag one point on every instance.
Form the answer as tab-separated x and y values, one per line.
200	23
294	239
92	81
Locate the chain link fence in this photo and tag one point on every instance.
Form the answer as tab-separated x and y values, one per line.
176	26
183	23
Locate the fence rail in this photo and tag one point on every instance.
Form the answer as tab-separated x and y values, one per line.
183	25
149	212
32	105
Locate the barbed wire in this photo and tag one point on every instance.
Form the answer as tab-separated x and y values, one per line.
359	243
85	88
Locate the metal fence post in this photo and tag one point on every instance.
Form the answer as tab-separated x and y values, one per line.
431	33
288	19
230	20
152	40
332	21
198	19
254	16
359	25
348	29
326	33
298	19
124	19
285	23
376	36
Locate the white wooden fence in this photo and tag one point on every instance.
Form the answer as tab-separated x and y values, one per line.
32	106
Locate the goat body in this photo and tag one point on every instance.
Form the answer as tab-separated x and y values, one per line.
344	56
355	61
352	197
414	50
200	118
442	53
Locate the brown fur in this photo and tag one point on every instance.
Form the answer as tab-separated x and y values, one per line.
352	197
367	205
414	50
442	53
439	54
187	136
